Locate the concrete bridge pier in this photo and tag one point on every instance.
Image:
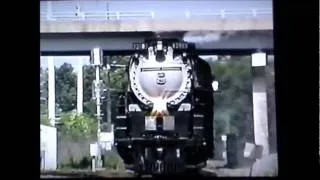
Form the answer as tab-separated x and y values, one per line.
80	87
51	91
259	97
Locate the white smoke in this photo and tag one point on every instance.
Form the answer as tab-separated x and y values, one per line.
200	37
197	37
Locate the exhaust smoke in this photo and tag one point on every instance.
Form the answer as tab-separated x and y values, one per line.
200	37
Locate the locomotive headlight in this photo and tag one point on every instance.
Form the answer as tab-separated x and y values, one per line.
150	123
159	46
215	85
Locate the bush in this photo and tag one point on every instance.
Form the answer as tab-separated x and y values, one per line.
78	126
113	161
84	163
44	120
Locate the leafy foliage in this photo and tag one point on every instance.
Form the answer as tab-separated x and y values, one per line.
233	106
66	83
44	97
112	160
44	120
78	126
72	163
43	85
89	74
89	105
118	76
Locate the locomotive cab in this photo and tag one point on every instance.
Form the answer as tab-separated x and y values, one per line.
166	125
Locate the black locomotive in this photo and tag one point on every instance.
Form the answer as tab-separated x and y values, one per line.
164	122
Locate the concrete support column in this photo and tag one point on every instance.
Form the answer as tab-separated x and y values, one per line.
260	108
51	91
80	87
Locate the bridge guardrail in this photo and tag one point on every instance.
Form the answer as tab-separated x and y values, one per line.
228	13
123	15
74	16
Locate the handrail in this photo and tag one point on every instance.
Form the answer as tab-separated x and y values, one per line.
224	13
88	15
120	15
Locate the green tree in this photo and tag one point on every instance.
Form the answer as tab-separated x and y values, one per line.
118	76
65	86
233	106
43	85
44	96
89	75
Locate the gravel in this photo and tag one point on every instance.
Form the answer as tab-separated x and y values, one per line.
266	166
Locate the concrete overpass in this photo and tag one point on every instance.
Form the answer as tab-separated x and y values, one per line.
72	26
195	24
77	26
243	42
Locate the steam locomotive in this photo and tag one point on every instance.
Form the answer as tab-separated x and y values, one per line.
164	121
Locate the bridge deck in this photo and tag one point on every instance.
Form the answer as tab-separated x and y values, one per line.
156	25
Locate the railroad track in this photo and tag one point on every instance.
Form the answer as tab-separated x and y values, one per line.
62	174
55	177
202	173
108	174
214	168
209	171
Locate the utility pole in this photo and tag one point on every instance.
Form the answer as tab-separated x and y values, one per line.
96	60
